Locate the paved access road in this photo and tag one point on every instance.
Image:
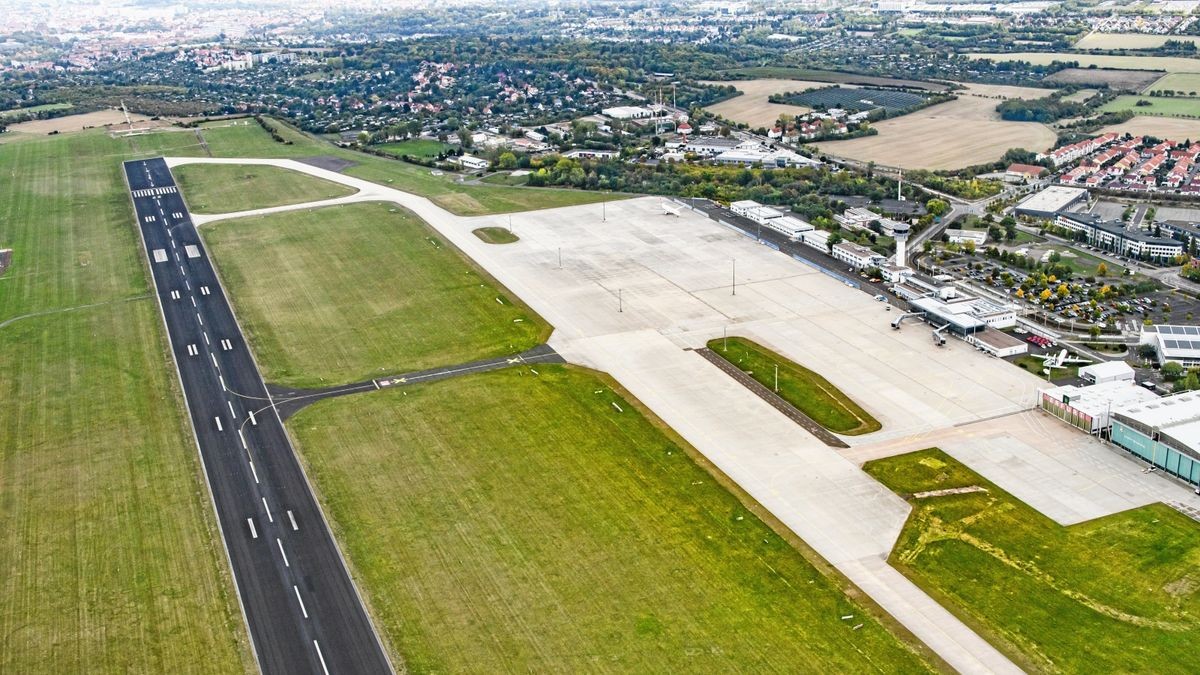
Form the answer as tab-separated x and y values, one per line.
303	612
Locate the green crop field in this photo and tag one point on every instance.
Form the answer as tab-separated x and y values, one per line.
416	147
347	293
1115	594
1158	105
109	552
249	140
812	394
513	522
225	188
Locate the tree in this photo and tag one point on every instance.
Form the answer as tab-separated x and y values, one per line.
1171	371
508	161
1094	331
1101	270
1045	294
1063	291
937	207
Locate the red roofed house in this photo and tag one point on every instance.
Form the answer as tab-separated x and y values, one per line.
1024	171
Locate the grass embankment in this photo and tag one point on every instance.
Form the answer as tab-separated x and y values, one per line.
347	293
109	551
226	188
1116	594
508	522
812	394
249	140
495	235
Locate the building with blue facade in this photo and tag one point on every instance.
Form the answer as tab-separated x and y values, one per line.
1164	432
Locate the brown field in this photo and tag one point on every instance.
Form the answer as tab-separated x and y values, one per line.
950	135
752	106
75	122
1129	40
1173	128
1131	80
1171	64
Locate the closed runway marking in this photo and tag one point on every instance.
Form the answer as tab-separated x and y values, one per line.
321	657
305	611
285	560
253	471
293	519
231	412
253	532
269	517
219	427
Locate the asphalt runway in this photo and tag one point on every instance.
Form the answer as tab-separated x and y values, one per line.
303	612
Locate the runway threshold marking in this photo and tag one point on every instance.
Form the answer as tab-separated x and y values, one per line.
192	351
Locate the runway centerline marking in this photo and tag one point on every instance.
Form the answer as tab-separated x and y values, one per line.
269	516
305	612
322	658
285	560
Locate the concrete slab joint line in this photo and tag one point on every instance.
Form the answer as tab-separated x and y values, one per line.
778	402
673	275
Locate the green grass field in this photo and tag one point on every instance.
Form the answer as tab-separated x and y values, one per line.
416	147
496	235
809	392
242	140
347	293
512	522
505	178
225	188
1159	105
34	109
109	552
1116	594
1188	83
1033	364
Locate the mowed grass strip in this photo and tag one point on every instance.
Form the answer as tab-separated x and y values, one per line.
1116	594
812	394
347	293
513	522
495	235
250	140
110	560
226	188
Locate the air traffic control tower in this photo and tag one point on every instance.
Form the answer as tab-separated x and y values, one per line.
900	234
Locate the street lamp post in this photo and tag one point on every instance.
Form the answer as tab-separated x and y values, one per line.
620	301
734	278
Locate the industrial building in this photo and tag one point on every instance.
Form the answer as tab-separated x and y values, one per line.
1180	344
1107	371
997	343
1090	408
858	218
856	256
770	217
627	112
1164	432
1050	202
976	237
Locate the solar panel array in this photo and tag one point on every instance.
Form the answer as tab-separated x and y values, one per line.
1179	330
